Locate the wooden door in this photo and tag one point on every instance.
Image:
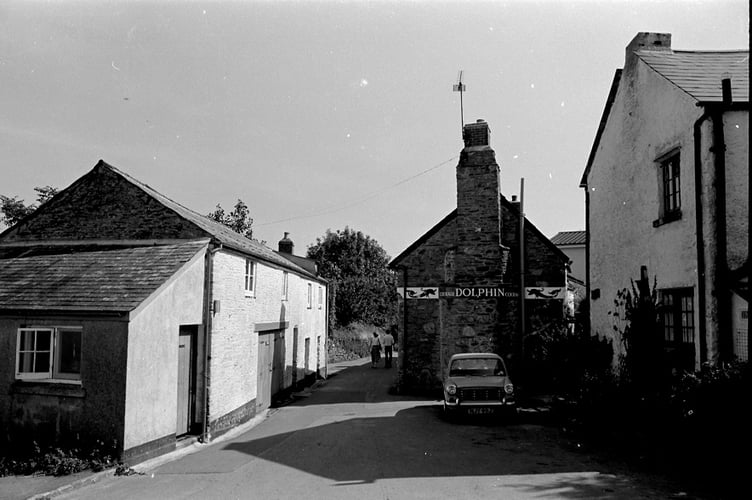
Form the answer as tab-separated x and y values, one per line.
307	357
185	385
264	370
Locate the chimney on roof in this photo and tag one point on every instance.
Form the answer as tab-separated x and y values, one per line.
476	134
648	41
285	244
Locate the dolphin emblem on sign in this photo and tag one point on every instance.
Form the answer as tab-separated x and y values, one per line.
538	292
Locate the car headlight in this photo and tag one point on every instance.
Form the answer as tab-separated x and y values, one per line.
451	389
509	388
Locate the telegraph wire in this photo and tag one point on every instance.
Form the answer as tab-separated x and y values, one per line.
334	209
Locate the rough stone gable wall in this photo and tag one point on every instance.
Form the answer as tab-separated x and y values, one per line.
477	248
426	266
103	205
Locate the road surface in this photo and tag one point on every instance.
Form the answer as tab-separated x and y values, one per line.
350	439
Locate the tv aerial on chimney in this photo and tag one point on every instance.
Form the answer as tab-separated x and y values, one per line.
460	87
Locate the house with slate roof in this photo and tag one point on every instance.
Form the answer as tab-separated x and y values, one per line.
460	282
667	189
129	319
572	243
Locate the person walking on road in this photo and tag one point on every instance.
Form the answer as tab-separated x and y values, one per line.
388	342
375	349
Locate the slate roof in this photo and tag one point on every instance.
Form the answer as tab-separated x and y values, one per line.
94	281
220	232
699	73
569	238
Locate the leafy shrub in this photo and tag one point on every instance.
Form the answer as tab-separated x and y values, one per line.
560	361
55	461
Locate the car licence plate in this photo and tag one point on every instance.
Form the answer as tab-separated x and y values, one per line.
479	411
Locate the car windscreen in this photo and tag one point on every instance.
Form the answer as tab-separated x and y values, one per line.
476	367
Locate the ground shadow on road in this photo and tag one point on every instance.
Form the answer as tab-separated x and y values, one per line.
417	443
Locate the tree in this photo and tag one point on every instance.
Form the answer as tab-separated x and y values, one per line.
13	209
362	287
239	220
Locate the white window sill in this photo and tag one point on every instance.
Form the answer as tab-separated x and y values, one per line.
49	380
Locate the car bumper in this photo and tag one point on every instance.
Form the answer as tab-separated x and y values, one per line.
453	402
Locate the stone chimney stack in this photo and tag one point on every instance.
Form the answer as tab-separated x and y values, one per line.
286	245
647	41
476	134
478	257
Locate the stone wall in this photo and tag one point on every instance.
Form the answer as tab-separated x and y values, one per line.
476	246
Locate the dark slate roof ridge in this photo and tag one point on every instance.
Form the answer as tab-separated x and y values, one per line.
222	233
422	239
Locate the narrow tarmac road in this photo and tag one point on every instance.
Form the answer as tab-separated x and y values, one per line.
350	439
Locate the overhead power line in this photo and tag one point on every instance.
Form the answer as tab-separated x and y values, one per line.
338	208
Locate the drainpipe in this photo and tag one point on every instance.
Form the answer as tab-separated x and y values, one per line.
700	239
587	259
715	112
208	313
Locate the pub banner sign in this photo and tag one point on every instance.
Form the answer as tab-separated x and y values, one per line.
479	292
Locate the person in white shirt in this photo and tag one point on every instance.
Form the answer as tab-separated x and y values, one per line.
388	342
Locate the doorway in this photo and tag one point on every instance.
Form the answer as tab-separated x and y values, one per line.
186	397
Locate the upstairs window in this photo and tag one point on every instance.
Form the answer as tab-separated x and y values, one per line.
321	297
284	285
669	174
310	296
48	354
250	278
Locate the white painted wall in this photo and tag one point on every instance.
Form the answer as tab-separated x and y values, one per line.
151	385
234	343
649	117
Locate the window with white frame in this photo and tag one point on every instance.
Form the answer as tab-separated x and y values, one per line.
321	297
48	353
250	278
310	295
284	285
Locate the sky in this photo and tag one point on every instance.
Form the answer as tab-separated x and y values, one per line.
321	115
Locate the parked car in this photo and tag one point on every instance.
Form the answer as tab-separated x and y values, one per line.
478	384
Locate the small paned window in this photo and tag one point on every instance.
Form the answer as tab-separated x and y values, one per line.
321	297
48	354
250	277
678	316
670	189
310	296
